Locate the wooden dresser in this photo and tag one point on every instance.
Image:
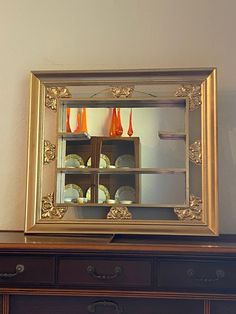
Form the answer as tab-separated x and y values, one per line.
113	275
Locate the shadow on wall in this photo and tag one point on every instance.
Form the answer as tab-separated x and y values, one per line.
227	161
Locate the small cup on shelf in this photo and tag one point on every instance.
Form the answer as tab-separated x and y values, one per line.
82	200
126	202
111	201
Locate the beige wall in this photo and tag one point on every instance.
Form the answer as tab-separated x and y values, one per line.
90	34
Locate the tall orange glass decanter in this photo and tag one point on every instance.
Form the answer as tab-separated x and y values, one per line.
119	129
113	123
68	120
130	129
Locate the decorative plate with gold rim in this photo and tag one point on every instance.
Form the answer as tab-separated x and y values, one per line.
125	193
125	161
103	194
73	161
72	192
103	163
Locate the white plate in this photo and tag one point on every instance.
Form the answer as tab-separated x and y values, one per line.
125	193
125	161
73	161
103	163
103	194
72	192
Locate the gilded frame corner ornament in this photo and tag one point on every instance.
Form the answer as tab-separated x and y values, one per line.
195	152
49	153
53	93
193	92
49	211
119	213
193	212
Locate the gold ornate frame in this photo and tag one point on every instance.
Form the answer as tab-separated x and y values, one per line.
200	217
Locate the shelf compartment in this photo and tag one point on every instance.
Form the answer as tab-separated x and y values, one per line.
165	135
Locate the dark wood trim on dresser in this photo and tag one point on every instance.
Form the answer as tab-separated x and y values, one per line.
120	274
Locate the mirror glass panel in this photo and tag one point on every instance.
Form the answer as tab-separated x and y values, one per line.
119	155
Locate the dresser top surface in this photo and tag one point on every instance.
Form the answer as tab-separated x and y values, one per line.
20	241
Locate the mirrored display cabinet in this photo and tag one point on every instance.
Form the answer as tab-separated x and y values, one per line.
123	151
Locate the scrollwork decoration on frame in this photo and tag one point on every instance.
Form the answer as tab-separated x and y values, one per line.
53	93
195	152
119	213
122	91
49	211
193	92
49	152
193	212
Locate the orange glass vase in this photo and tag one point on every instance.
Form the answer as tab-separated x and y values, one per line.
68	120
78	129
113	123
83	120
130	129
119	129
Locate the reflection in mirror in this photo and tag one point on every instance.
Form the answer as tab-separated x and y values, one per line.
148	168
138	213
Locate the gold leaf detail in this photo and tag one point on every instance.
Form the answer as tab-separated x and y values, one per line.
195	153
193	212
193	92
53	93
119	213
49	211
49	152
122	91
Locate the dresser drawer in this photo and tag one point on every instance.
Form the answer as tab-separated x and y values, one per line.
87	305
34	270
117	273
223	307
198	274
1	304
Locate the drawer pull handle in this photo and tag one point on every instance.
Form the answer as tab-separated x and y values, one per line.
91	270
219	274
92	307
19	269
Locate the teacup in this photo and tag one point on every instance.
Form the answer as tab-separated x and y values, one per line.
67	200
82	200
110	201
126	202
